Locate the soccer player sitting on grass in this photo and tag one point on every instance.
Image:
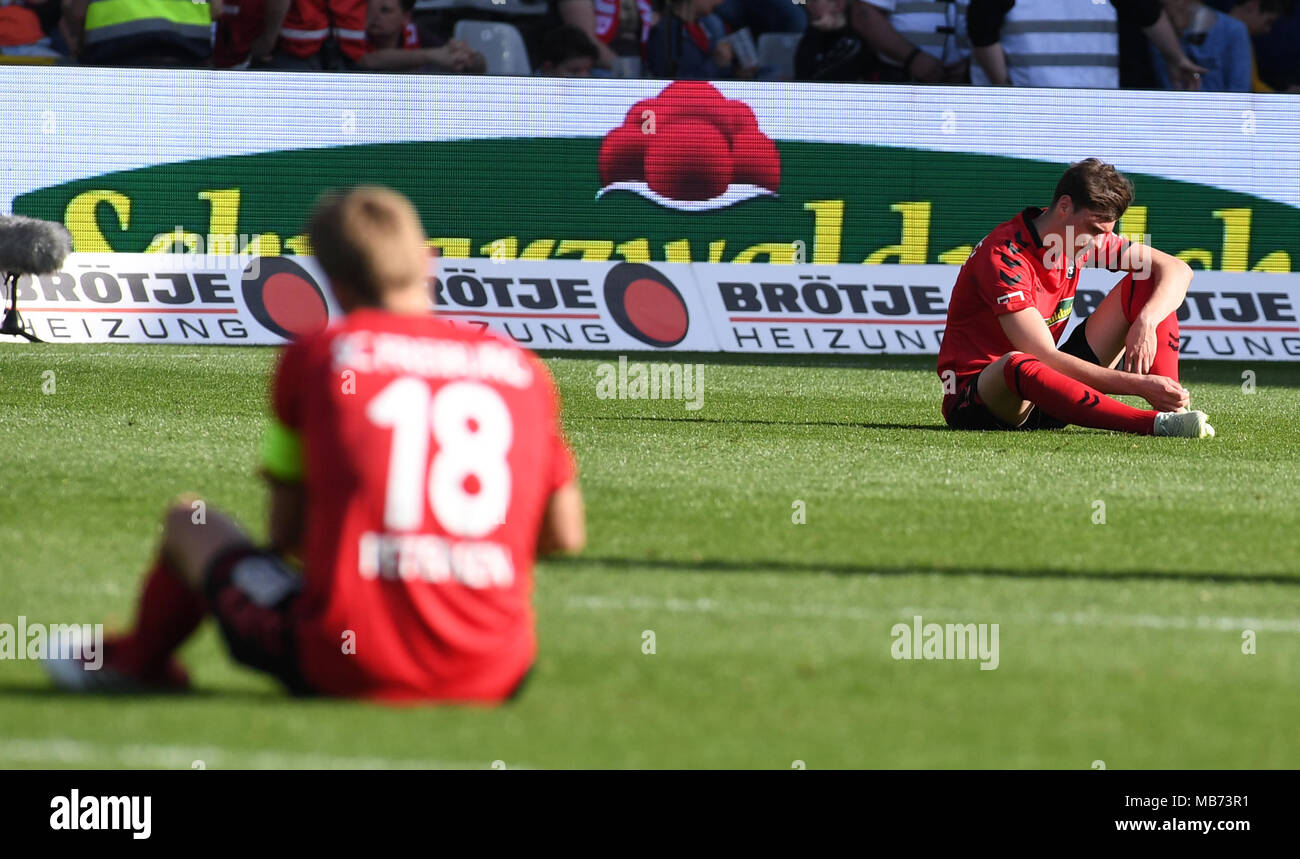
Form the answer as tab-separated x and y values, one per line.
415	467
999	360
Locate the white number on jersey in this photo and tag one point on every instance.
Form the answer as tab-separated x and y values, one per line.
468	481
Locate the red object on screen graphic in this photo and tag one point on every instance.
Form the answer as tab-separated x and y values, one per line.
690	143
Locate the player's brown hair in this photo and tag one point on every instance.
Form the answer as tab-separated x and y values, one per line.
370	241
1097	186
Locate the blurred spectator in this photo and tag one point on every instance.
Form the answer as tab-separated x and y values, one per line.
247	31
1265	19
1135	69
1277	53
688	42
1143	25
925	42
22	33
583	15
1218	42
566	53
46	12
394	43
139	32
1044	43
623	25
1066	43
763	16
309	23
830	49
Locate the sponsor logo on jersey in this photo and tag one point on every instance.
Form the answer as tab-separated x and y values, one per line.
1061	313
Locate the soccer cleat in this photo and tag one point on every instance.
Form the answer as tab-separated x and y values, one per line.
1183	425
112	677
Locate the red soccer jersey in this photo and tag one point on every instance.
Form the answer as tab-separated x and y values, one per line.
429	452
1009	270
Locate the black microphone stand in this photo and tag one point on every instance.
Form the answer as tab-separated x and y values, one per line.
13	321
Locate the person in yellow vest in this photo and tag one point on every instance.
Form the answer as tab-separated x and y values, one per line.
139	32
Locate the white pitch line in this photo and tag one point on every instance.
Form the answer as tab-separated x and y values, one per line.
70	356
906	613
68	588
143	355
150	755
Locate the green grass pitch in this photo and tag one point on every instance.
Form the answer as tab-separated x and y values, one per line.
1119	642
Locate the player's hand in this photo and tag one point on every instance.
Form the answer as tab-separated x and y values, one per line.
1140	346
1163	393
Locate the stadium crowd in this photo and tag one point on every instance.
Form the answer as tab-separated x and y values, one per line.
1215	45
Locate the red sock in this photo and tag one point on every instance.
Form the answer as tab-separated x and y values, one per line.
1072	401
168	613
1134	295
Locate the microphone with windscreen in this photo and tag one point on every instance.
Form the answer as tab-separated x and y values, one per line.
28	246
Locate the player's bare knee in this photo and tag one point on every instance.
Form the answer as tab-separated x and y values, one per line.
185	511
995	370
996	366
996	392
194	534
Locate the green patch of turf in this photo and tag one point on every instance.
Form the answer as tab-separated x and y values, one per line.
1119	642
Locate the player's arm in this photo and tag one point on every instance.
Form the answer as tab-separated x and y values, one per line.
285	526
564	524
1028	333
282	469
1171	278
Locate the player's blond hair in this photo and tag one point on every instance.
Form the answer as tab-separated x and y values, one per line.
1097	186
369	240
